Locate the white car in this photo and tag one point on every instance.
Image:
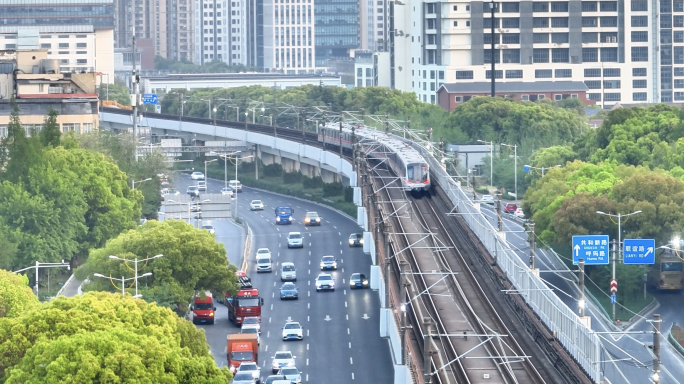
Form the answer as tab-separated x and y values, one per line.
326	282
202	185
282	359
519	213
227	191
256	205
487	199
251	329
235	185
288	272
209	228
263	260
250	366
252	321
197	176
292	374
295	240
293	331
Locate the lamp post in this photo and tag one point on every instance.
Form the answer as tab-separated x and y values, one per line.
123	281
205	166
246	114
515	165
527	168
491	156
214	115
139	181
135	262
236	178
262	113
44	265
619	216
225	161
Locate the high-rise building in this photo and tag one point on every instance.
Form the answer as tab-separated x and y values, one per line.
288	35
338	29
98	13
212	35
627	53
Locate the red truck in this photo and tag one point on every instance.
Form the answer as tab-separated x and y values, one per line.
203	308
242	347
245	303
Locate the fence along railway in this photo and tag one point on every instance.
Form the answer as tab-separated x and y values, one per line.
572	348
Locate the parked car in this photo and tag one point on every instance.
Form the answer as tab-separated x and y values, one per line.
510	208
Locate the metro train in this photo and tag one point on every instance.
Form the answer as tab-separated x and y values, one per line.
404	160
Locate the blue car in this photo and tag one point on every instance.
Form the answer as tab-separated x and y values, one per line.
289	291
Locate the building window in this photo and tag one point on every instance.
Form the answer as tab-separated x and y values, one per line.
541	97
590	22
510	22
464	75
369	72
639	21
593	84
498	73
609	6
679	96
71	127
540	38
467	23
487	23
639	5
455	23
558	6
46	45
458	99
540	22
455	7
612	96
563	73
441	75
589	6
639	96
558	97
611	84
510	38
64	45
559	38
608	21
488	56
639	72
678	21
560	55
609	55
678	83
87	127
638	83
540	55
514	73
525	97
510	7
543	73
63	36
594	96
488	38
677	5
639	36
81	45
592	72
589	37
562	22
611	72
82	61
511	56
540	7
665	21
679	71
639	54
678	57
359	82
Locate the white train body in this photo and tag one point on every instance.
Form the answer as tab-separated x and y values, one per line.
405	162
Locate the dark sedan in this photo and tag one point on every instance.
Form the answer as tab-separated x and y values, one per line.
358	280
356	240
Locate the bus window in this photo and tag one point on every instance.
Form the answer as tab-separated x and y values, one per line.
671	267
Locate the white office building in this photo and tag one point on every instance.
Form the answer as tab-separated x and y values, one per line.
288	35
627	54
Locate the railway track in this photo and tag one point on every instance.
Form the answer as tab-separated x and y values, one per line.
474	343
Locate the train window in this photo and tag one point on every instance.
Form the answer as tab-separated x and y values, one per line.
424	174
409	172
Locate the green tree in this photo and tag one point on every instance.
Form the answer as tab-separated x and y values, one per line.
16	298
101	337
50	134
193	261
117	91
22	152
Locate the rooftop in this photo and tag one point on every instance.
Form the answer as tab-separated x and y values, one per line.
516	87
238	76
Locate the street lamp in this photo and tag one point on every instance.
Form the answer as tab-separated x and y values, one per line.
139	181
246	114
491	158
123	281
136	261
619	217
236	178
225	165
44	265
214	115
527	168
205	165
515	165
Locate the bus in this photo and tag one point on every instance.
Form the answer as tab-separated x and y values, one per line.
667	273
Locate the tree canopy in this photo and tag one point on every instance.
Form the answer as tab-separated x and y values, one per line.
103	337
16	298
185	66
193	261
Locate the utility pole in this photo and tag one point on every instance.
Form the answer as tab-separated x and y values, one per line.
492	9
387	230
340	139
656	348
498	213
403	268
532	245
135	79
427	353
353	145
614	260
581	287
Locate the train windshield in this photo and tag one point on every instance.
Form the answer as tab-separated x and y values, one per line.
672	267
417	173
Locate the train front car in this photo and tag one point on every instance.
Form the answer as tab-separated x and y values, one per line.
417	177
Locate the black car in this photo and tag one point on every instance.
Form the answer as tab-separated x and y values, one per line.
356	240
358	280
193	191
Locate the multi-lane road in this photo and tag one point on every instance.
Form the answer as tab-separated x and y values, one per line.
622	351
342	342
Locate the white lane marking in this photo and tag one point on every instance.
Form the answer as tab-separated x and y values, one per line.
266	350
308	293
340	233
309	244
309	255
351	361
307	333
307	379
348	332
345	305
278	229
345	293
334	227
347	317
308	305
309	233
274	283
327	221
342	261
269	319
281	235
327	318
340	243
273	294
272	305
307	360
268	334
343	279
342	269
350	345
340	251
309	274
307	319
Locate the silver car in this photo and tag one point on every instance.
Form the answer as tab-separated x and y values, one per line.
282	359
292	373
288	272
295	240
263	260
251	367
244	378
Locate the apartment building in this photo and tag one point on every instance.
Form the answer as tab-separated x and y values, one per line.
624	53
98	13
338	29
211	35
288	36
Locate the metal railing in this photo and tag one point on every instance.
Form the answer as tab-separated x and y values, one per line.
580	342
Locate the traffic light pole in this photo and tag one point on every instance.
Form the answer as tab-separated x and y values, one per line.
134	101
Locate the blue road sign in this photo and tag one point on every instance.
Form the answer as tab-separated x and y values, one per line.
594	249
526	168
613	299
149	98
639	251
